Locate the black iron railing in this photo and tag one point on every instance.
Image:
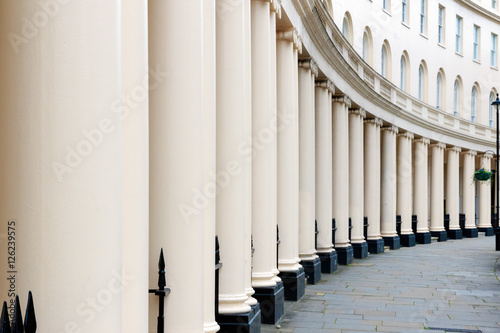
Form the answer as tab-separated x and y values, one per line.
350	228
334	229
17	325
414	223
447	222
218	265
398	224
365	227
316	232
161	292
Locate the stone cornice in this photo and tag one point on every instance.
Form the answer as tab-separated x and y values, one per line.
455	149
378	122
309	64
342	99
408	135
390	128
327	84
438	145
425	141
358	111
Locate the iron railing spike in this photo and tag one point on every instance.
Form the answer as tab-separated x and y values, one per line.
30	318
5	324
17	323
162	281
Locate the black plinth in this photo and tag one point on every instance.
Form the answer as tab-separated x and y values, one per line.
441	235
408	240
423	237
360	250
240	323
312	269
294	283
328	262
470	233
455	234
487	231
393	242
375	246
272	302
345	255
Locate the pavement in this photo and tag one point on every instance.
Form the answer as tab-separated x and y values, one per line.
450	286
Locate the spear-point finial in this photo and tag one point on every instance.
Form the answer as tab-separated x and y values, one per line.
162	281
5	324
17	323
30	318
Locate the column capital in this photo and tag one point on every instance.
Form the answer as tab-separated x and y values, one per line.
288	35
342	99
487	155
390	128
309	64
425	141
438	145
327	84
359	111
376	121
470	152
408	135
276	7
297	45
455	149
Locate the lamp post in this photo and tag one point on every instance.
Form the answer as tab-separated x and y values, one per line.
497	227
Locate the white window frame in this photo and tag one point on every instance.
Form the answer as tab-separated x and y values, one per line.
493	51
458	35
383	69
420	83
404	11
492	109
423	8
402	74
473	104
476	31
438	91
456	94
441	25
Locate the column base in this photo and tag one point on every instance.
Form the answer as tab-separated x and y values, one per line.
393	242
272	303
328	262
375	246
312	269
441	235
455	234
294	283
241	322
408	240
345	255
423	237
488	231
360	250
470	233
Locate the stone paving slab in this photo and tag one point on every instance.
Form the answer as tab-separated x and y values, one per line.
453	284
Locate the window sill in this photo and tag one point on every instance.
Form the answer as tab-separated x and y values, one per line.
386	11
441	45
494	68
422	35
405	24
459	54
476	61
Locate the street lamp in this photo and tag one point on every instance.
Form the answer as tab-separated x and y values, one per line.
497	174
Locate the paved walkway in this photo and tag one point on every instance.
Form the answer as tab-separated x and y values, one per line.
454	285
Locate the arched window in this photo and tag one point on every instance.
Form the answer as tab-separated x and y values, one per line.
402	76
473	104
438	91
385	57
420	83
492	109
384	62
347	27
455	98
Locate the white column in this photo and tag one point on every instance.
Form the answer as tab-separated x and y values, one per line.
437	187
420	183
404	181
485	194
233	156
340	169
275	13
264	162
288	151
135	166
356	179
307	182
469	189
61	181
178	193
323	97
372	176
388	182
209	144
452	186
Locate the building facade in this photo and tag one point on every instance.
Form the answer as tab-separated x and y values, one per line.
301	133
